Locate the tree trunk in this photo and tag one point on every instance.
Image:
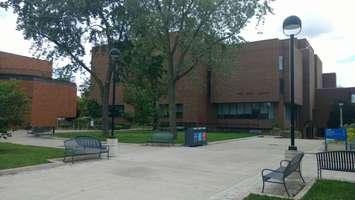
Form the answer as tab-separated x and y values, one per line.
172	98
105	101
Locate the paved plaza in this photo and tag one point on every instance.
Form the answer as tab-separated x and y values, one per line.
225	170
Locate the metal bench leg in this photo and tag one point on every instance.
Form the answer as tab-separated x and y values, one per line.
262	190
284	183
301	177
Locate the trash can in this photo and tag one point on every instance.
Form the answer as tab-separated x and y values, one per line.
196	136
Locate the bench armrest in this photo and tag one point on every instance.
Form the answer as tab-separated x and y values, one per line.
270	170
284	161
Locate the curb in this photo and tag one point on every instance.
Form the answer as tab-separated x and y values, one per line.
298	196
305	189
52	163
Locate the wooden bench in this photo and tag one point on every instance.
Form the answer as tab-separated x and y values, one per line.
335	161
84	145
162	138
280	174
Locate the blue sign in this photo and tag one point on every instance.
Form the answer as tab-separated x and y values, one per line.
335	134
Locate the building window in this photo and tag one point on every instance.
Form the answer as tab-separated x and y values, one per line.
245	110
164	110
281	63
282	86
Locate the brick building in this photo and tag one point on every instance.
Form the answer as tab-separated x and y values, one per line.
328	99
252	93
50	99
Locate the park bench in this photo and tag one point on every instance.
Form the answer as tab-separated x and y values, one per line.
352	146
84	145
162	138
335	161
280	174
37	131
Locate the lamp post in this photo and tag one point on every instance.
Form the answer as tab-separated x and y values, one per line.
341	114
292	26
114	54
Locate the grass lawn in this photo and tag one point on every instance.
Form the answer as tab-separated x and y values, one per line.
321	190
15	155
142	136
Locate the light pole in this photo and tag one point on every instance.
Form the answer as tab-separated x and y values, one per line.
292	26
341	114
114	56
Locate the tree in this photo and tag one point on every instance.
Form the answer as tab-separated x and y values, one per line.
14	106
87	107
61	29
64	74
192	32
145	83
334	116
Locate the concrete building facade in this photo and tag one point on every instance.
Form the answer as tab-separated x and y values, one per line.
50	99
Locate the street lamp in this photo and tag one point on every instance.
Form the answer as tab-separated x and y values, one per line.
114	55
341	114
292	26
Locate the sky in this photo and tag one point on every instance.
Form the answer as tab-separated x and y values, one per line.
327	24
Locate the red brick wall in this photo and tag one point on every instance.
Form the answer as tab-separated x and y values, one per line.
49	101
253	78
16	64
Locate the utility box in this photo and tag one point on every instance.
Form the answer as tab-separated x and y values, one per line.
196	136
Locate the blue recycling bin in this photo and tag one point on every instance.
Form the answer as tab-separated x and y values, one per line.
196	136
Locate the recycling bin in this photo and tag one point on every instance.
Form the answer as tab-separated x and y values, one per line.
196	136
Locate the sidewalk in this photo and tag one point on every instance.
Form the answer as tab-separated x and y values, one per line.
227	170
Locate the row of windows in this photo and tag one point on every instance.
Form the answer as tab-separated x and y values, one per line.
164	110
245	110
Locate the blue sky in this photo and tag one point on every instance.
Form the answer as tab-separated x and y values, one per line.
327	24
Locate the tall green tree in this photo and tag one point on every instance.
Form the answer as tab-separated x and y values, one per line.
145	83
14	106
61	29
191	32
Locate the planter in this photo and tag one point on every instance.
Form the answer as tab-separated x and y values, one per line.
113	145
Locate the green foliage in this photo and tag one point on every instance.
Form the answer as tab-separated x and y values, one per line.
331	189
14	105
64	74
348	115
321	190
88	108
144	84
62	29
189	33
15	155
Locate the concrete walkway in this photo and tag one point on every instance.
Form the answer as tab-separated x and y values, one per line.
227	170
21	137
